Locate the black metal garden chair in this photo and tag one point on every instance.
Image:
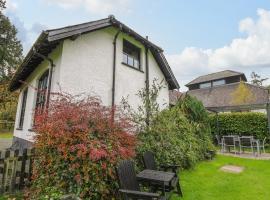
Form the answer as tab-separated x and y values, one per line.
130	189
150	163
230	141
248	142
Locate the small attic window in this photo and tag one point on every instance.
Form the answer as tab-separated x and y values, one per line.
131	55
205	85
219	82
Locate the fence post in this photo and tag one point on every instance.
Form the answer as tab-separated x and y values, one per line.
22	176
5	171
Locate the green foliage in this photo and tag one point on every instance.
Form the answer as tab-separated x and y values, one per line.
10	58
193	109
10	49
149	108
240	123
2	5
8	103
179	135
78	148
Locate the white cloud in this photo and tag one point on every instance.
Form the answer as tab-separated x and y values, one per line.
250	53
25	34
98	7
11	6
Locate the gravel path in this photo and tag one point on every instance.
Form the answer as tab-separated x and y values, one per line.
5	143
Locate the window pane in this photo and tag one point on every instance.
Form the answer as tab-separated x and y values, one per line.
130	61
125	57
205	85
219	82
23	105
136	64
42	89
131	54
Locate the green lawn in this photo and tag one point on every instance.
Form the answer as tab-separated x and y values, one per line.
207	182
6	135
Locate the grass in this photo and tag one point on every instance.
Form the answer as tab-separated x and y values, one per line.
17	196
6	135
207	182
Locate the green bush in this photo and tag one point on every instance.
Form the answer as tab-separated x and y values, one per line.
244	123
179	135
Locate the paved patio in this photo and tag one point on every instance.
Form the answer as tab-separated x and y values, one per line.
263	156
5	143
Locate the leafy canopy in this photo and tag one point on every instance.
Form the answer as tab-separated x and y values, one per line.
10	58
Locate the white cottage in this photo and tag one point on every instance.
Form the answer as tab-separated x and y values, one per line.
103	57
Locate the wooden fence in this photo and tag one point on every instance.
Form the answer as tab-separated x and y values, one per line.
15	169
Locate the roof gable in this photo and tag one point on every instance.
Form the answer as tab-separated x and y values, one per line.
48	40
216	76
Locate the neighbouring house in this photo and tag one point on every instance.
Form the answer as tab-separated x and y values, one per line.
218	92
175	96
104	58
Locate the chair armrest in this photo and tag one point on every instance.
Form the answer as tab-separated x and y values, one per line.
144	195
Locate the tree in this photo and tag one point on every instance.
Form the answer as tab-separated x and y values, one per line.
10	49
2	5
242	95
10	58
256	79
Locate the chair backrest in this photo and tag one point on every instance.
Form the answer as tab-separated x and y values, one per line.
264	140
127	175
218	138
149	160
246	141
229	140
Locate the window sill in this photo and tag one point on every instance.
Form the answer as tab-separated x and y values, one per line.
133	67
19	129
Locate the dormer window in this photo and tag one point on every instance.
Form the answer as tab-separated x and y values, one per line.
131	55
219	82
205	85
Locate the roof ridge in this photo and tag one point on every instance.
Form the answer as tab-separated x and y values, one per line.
210	76
69	26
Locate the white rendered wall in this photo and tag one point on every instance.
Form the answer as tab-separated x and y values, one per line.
87	64
84	66
31	83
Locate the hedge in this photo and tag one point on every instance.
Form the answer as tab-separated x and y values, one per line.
241	123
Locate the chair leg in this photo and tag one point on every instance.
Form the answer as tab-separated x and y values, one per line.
252	150
178	187
240	149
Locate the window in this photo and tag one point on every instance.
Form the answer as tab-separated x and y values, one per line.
23	105
42	89
131	55
219	82
205	85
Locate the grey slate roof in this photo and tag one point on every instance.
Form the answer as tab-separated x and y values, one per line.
216	76
221	96
49	39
